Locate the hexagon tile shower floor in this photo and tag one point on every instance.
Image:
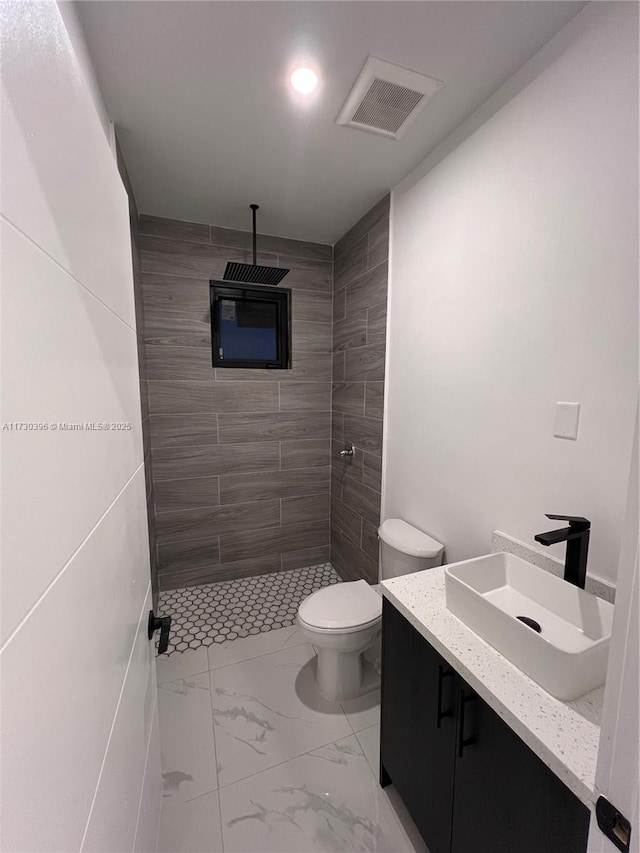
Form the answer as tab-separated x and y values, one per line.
216	612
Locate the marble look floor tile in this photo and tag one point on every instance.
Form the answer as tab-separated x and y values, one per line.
191	827
181	665
268	710
363	711
245	648
369	740
326	800
186	735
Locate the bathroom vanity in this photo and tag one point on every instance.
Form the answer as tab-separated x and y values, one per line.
483	758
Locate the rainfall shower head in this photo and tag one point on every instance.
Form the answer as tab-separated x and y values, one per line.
253	273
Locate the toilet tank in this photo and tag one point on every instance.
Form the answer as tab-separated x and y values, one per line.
405	549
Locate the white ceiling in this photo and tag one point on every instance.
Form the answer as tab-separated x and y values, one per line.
208	123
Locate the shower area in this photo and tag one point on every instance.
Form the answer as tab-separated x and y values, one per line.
250	505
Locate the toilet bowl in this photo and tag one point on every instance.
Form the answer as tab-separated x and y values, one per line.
341	622
344	621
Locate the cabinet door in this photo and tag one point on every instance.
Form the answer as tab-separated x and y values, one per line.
417	742
505	798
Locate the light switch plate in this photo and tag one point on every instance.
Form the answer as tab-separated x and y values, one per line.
567	417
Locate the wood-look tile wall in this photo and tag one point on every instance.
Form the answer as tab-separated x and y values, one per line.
142	370
241	458
359	331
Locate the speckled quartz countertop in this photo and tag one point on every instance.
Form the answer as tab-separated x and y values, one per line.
563	734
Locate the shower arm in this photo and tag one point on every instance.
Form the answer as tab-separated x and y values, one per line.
254	207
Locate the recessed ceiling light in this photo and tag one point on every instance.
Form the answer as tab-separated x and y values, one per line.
304	80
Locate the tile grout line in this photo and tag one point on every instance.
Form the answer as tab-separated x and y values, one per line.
300	755
69	561
71	275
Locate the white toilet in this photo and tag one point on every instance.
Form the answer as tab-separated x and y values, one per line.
344	620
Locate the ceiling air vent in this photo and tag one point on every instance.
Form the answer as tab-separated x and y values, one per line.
386	98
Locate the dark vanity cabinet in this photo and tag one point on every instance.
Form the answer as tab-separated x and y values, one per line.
469	782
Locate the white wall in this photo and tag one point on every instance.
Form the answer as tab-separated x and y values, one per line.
80	765
513	285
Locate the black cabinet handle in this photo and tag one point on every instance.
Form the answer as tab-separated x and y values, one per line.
462	741
440	714
163	624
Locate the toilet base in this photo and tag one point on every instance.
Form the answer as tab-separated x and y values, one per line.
344	675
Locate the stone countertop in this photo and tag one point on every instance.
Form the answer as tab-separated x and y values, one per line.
564	735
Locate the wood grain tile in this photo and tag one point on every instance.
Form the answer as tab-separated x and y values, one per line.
315	367
346	519
172	463
245	397
304	453
232	238
350	332
320	268
285	246
202	397
350	264
302	510
374	400
339	305
349	560
362	499
189	524
364	364
312	305
338	367
273	245
234	546
305	396
365	433
198	553
192	493
260	565
336	484
305	557
337	426
372	471
368	290
175	397
183	431
173	229
163	256
379	211
176	312
238	488
378	243
370	544
188	266
311	337
274	426
377	324
348	397
177	362
299	282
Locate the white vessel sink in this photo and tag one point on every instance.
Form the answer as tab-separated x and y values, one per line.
569	655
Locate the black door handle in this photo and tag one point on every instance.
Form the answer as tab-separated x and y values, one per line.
462	741
163	624
440	714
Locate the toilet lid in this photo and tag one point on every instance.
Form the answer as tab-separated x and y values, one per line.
341	606
408	539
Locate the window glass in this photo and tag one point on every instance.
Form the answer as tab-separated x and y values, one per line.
248	330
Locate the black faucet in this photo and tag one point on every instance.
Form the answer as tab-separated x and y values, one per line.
576	535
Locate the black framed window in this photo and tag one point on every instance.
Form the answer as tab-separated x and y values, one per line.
250	326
